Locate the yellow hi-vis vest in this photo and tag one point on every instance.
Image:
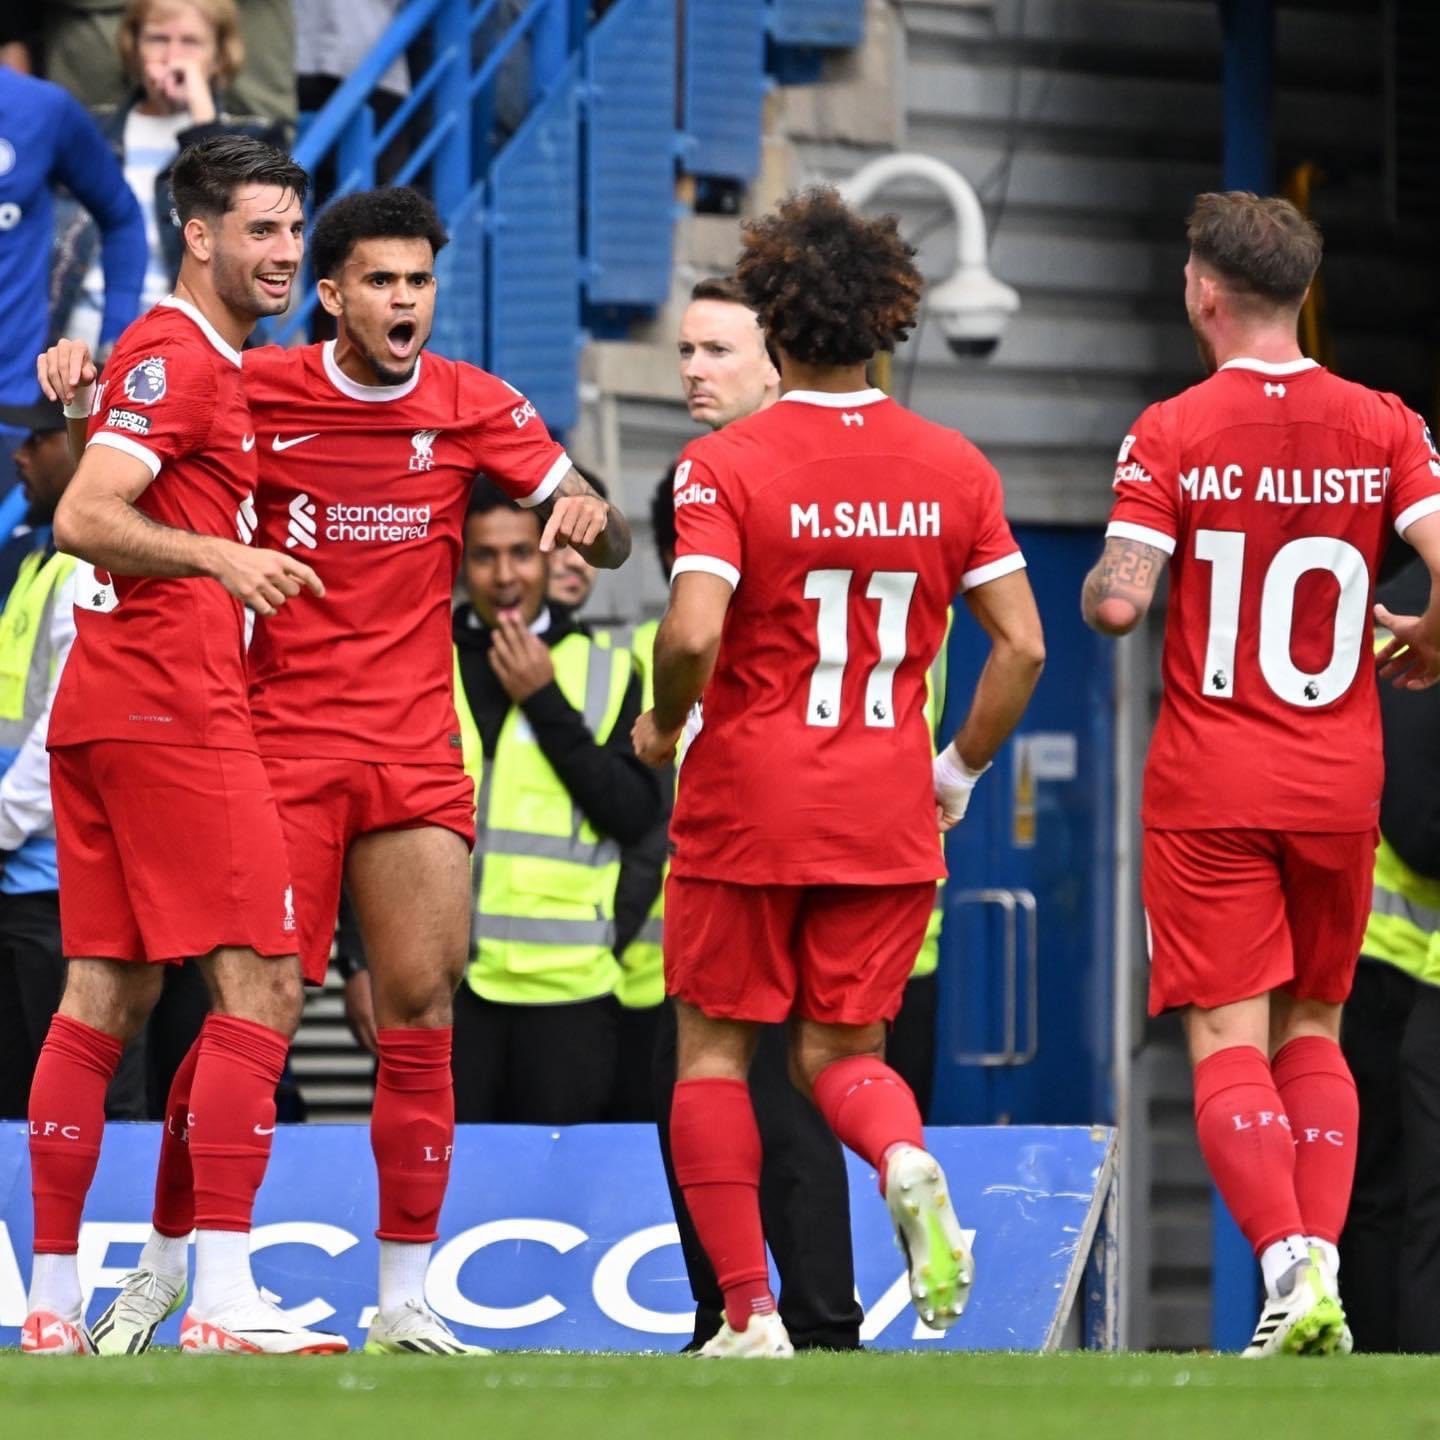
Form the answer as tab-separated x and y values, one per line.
543	879
642	975
1404	924
27	663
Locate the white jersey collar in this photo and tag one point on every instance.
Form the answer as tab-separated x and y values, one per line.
174	302
374	394
851	400
1272	367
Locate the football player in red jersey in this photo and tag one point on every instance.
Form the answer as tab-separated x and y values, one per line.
370	449
169	841
820	544
1271	489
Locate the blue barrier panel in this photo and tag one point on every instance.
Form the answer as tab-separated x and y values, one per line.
828	23
630	153
459	331
535	256
724	78
564	1239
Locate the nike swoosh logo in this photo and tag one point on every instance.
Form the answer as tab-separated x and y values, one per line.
280	444
260	1130
248	444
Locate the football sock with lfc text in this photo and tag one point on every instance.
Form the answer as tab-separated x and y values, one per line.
67	1122
715	1144
1246	1142
412	1131
869	1107
174	1179
1319	1095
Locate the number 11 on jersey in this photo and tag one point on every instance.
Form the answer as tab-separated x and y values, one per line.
894	589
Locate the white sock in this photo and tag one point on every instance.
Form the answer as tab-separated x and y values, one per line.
166	1254
1275	1263
222	1272
55	1286
402	1273
1329	1252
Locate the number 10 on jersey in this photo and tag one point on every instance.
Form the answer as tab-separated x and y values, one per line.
894	589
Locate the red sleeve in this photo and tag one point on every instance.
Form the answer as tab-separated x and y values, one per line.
993	551
707	519
1147	485
1414	470
156	404
512	446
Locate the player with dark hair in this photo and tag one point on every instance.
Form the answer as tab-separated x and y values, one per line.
819	545
1271	489
371	448
168	838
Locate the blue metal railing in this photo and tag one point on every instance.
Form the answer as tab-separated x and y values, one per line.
473	49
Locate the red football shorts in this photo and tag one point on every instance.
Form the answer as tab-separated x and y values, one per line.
327	804
839	954
168	851
1236	913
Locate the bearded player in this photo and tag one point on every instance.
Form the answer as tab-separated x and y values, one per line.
168	838
369	450
1271	490
819	546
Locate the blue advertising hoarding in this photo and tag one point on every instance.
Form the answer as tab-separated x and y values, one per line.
563	1239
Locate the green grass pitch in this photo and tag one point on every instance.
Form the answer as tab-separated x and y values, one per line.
817	1397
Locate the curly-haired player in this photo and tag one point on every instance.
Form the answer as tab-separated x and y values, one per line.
820	543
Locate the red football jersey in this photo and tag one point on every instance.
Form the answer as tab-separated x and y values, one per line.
163	660
1273	488
369	485
847	525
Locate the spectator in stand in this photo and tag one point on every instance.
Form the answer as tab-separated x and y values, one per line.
46	138
37	628
181	55
78	51
332	37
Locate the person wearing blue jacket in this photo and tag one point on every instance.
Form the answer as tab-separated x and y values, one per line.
47	139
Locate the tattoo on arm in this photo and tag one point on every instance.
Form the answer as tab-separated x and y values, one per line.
1127	570
612	548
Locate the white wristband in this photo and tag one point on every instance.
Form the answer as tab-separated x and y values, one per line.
952	773
78	406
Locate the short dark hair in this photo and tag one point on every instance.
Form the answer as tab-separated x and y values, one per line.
724	288
393	212
829	286
486	496
204	179
1261	244
662	515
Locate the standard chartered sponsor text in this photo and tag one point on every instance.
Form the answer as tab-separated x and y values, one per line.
377	522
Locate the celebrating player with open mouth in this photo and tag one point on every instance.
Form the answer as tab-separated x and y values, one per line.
168	838
368	453
1270	489
820	544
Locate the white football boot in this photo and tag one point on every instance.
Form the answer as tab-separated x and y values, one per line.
1305	1319
146	1298
415	1329
764	1338
256	1328
46	1333
927	1231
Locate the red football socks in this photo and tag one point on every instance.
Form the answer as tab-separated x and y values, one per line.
1318	1091
869	1107
412	1131
715	1143
67	1122
232	1109
174	1179
1246	1141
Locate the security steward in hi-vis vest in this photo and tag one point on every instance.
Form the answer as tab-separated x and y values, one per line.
1390	1033
545	716
37	628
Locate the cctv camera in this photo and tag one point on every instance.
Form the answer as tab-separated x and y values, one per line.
972	307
